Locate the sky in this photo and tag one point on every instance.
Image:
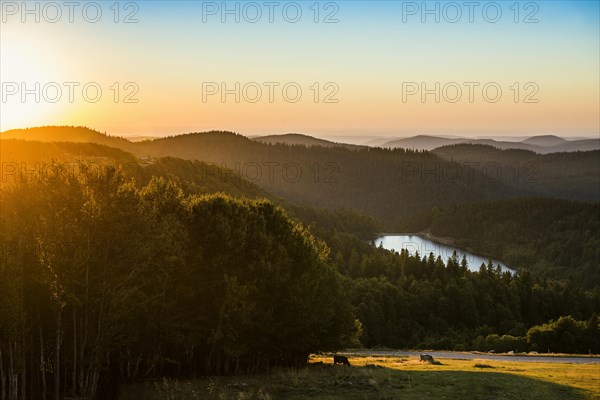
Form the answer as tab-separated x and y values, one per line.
380	68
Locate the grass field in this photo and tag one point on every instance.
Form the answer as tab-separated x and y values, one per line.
390	378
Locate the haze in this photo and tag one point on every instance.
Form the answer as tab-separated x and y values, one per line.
360	69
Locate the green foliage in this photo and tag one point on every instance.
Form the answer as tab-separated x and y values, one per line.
108	278
566	175
406	301
549	237
566	335
500	344
28	160
132	268
386	184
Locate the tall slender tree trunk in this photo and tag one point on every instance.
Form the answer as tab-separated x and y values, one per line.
58	338
74	372
23	369
84	329
23	345
12	381
42	364
2	379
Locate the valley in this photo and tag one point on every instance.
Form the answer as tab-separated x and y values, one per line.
336	200
226	228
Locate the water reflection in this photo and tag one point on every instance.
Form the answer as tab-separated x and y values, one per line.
413	243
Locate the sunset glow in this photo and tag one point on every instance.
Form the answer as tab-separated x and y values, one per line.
299	200
161	56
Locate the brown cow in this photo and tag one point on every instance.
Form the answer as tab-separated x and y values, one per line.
341	360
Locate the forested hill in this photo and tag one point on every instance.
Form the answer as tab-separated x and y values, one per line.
129	268
574	175
299	139
76	134
387	184
32	160
145	282
16	152
196	177
552	238
538	144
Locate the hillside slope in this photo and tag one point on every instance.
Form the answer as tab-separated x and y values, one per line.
573	176
23	161
299	139
75	134
389	184
542	145
552	238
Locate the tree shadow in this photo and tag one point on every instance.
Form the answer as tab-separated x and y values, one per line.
329	382
486	384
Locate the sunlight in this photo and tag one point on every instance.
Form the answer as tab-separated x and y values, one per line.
299	200
28	94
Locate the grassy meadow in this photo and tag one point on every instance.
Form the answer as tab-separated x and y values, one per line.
389	378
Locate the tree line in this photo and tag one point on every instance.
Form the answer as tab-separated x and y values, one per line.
388	184
104	282
108	277
405	301
567	175
551	237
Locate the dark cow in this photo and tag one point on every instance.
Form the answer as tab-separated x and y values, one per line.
341	360
427	357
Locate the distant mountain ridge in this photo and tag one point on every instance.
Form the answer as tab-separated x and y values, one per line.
539	144
544	144
545	140
74	134
299	139
388	184
567	175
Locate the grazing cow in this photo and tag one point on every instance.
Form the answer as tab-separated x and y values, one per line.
341	360
427	357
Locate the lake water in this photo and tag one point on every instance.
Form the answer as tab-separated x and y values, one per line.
414	243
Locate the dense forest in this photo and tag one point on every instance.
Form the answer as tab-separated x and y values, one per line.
116	269
407	302
386	184
102	282
572	176
550	237
32	160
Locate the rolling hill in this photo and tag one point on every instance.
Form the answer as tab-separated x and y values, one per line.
545	141
66	134
409	190
542	144
23	161
573	175
299	139
389	184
